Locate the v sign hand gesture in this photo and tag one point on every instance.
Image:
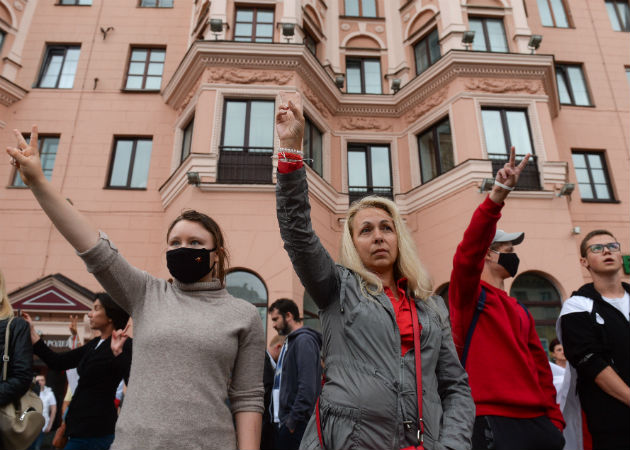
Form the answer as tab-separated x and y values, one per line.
119	337
507	177
26	158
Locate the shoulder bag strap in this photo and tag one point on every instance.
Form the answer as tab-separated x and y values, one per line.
5	357
417	328
481	303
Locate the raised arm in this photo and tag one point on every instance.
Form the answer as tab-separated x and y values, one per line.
77	230
468	261
54	360
123	282
311	261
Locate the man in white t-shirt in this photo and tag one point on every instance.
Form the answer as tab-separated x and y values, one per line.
594	328
50	410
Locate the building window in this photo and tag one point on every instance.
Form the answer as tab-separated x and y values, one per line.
156	3
435	147
246	285
369	171
427	51
542	300
247	141
363	76
145	69
571	85
130	163
489	34
619	14
310	43
628	74
187	139
504	128
592	176
75	2
553	13
60	66
313	146
47	153
2	36
360	8
254	25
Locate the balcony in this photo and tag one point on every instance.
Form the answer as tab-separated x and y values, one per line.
530	177
358	192
245	165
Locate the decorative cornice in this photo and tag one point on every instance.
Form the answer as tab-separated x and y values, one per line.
247	63
10	92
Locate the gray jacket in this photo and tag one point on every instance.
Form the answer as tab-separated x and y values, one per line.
369	399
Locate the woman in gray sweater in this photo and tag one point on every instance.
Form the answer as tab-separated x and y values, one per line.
198	351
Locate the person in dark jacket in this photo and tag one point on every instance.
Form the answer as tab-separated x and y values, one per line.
101	364
19	369
271	359
594	329
298	375
371	307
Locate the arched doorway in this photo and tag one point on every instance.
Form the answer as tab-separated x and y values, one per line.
542	299
245	284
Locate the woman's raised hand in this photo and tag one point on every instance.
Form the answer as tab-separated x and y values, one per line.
25	157
34	336
119	337
290	122
73	327
507	177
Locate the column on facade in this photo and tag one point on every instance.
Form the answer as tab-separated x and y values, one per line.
396	55
522	32
453	25
13	61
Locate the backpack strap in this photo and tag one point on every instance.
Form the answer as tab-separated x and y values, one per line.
481	304
5	357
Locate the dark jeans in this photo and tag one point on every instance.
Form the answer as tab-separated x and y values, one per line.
95	443
283	439
507	433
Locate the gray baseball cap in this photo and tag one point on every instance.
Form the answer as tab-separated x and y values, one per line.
514	238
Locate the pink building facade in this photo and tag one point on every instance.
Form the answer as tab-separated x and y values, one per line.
150	107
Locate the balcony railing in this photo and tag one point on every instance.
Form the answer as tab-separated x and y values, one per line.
358	192
245	165
530	177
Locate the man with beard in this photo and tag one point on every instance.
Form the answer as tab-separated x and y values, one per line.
495	336
297	380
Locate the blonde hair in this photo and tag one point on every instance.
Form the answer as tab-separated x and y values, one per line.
407	263
6	310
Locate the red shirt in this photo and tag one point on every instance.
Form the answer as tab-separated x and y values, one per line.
508	370
402	310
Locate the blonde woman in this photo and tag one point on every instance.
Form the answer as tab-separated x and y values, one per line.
19	371
367	305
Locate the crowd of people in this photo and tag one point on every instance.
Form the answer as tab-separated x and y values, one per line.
392	368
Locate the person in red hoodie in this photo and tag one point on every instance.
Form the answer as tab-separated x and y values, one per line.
495	336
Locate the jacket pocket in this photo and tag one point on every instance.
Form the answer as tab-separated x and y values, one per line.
341	426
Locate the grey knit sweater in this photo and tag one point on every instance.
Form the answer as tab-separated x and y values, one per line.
197	359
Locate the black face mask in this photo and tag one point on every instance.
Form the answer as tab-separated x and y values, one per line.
189	264
509	261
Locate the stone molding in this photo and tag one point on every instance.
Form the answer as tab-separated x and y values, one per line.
10	92
244	63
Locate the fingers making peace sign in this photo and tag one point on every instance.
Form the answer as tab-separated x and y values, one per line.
25	156
507	177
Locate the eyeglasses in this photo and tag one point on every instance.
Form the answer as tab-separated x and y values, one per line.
611	246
